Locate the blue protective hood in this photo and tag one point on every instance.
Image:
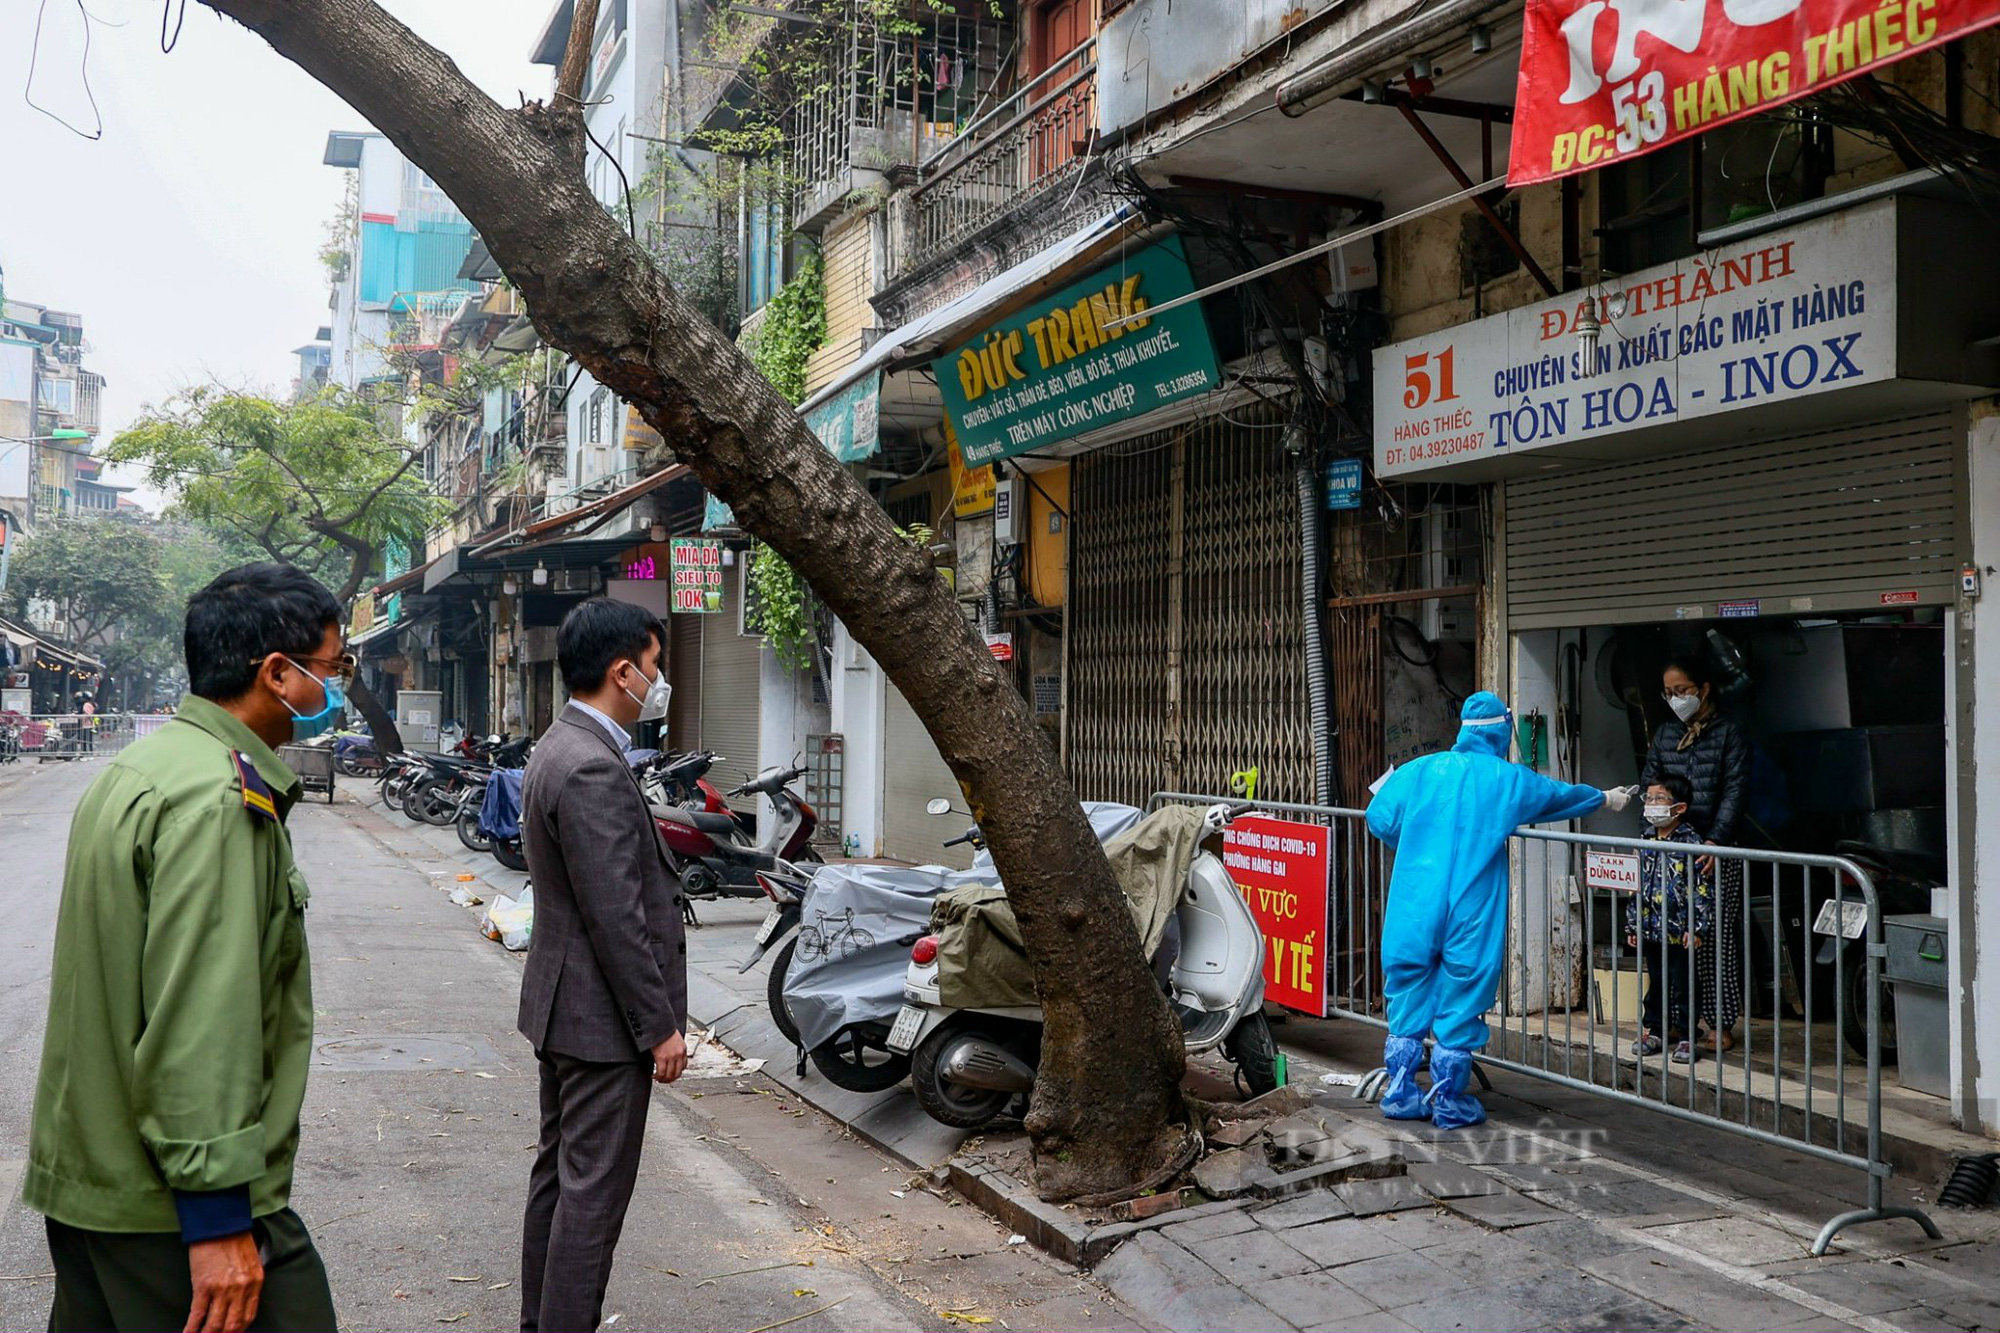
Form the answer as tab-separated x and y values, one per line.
1487	726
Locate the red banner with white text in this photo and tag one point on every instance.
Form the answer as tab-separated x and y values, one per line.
1283	870
1604	80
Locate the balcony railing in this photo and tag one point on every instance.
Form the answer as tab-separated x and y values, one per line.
1029	145
892	94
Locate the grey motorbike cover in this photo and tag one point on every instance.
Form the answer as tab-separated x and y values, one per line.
852	952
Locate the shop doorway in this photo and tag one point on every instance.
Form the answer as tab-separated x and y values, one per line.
1849	738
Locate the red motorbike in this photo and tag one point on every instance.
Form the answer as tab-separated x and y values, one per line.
715	855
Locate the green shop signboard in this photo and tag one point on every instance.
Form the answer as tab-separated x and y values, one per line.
1056	370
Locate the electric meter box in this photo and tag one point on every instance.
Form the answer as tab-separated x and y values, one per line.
1010	517
419	718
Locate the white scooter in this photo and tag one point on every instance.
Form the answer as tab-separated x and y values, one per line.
967	1065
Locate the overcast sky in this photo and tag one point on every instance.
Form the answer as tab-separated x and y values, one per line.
187	237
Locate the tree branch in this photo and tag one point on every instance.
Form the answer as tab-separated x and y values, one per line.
410	459
593	292
360	552
576	54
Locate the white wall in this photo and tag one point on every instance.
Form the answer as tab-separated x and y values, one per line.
1538	870
786	716
381	179
1976	991
858	698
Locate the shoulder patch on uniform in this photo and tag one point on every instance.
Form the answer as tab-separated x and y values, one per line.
257	795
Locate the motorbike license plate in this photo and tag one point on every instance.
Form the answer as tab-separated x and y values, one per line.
770	926
904	1034
1853	917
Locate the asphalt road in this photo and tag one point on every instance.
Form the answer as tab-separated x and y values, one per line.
419	1126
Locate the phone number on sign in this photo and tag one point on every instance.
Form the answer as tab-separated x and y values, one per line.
1194	379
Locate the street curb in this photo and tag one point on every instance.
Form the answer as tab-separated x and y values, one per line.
1050	1228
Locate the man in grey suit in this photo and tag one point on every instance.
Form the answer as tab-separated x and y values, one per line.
604	997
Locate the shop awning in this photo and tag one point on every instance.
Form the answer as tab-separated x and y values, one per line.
442	568
577	521
22	639
374	633
48	656
924	337
402	582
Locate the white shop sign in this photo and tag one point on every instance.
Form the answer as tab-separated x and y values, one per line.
1615	871
1778	317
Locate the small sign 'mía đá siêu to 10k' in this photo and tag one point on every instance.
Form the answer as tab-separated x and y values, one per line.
697	570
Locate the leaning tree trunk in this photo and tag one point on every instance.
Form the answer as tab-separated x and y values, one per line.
1107	1108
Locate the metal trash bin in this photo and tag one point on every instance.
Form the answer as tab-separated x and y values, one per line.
1918	971
313	764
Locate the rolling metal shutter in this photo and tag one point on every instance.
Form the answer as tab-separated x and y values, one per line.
730	699
914	772
684	671
1187	642
1842	520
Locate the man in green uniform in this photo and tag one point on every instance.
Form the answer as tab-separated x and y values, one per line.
180	1015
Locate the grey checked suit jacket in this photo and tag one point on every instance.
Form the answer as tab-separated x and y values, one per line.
606	978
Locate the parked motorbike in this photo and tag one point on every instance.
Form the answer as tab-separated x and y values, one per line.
355	755
968	1065
1903	881
398	772
837	986
715	857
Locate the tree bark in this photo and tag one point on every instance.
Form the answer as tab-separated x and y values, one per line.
1107	1108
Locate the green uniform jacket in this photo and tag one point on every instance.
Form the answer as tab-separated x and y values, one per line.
180	1013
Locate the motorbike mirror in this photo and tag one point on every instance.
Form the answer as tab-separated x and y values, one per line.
938	805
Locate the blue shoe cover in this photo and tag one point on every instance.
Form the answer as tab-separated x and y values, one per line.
1402	1099
1451	1106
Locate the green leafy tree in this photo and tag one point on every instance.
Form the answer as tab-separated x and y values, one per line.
98	574
317	483
148	646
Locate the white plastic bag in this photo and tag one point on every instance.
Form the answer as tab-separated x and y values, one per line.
510	921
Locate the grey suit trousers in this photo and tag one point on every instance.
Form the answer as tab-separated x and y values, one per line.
593	1125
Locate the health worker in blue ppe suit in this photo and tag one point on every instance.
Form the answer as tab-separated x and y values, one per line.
1447	817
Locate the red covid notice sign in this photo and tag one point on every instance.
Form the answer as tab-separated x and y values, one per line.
1282	870
1603	80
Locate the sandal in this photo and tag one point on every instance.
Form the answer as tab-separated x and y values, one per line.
1685	1053
1648	1044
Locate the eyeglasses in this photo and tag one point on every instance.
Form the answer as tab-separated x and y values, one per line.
343	666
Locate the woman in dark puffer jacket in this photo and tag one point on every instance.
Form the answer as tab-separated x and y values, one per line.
1712	752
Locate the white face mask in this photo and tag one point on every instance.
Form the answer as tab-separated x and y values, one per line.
1685	706
1659	816
653	706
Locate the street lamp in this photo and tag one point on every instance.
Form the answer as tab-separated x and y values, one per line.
60	434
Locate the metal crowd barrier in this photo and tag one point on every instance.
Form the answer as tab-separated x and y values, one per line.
1800	1077
65	736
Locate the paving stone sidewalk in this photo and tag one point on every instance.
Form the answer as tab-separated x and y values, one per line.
1564	1212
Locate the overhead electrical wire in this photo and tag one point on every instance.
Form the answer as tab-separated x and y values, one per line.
83	71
